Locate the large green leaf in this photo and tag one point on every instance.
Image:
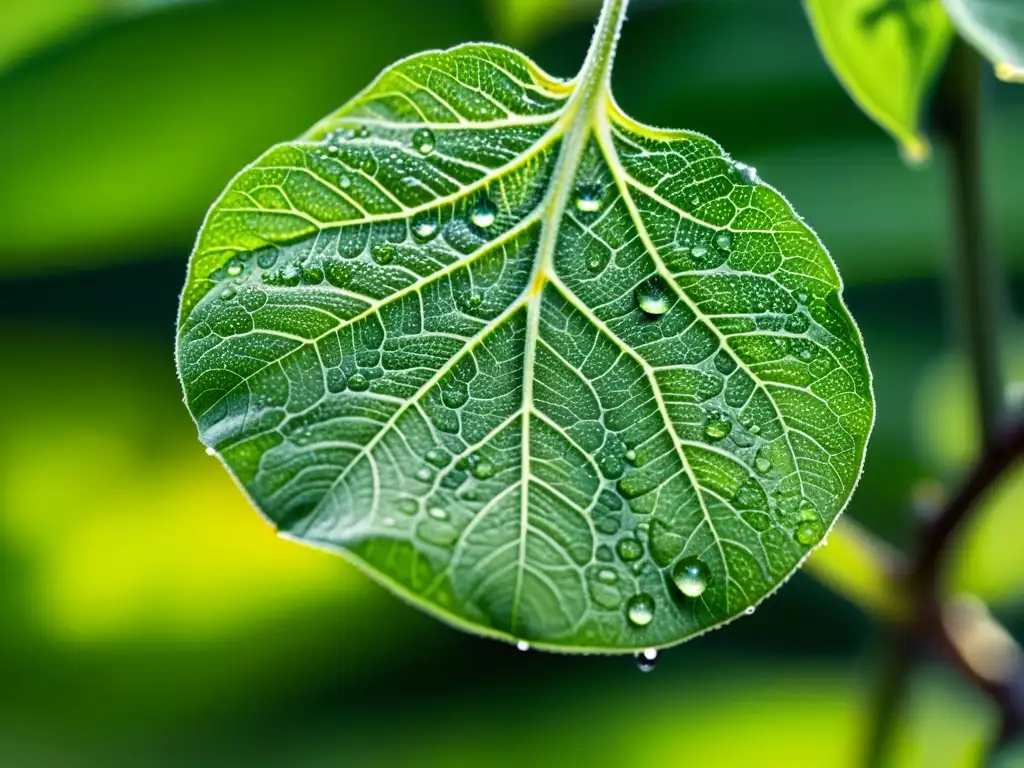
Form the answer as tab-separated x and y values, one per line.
886	54
996	28
550	374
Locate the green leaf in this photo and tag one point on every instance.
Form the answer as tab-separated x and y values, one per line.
996	28
886	54
548	373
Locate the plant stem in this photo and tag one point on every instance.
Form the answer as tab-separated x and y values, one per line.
977	288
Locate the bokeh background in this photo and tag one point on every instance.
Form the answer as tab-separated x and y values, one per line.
148	616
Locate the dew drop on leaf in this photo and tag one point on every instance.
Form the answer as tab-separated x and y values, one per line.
724	241
717	427
588	200
484	213
424	141
647	661
691	576
234	270
424	475
654	296
424	227
344	181
640	610
437	513
629	549
762	463
522	645
699	252
211	451
358	383
408	507
808	533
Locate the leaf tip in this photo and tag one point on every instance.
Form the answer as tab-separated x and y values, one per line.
915	150
1009	73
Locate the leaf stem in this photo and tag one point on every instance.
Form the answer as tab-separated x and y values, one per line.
976	287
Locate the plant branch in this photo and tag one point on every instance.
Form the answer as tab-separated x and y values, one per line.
977	288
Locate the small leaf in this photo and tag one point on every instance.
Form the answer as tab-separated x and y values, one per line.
996	28
521	357
886	54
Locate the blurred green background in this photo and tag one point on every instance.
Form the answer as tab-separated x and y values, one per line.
147	615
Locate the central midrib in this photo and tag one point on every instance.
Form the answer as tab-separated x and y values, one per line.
592	85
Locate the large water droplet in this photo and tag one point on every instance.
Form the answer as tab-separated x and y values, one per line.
630	549
234	270
522	645
481	467
438	457
724	240
424	141
699	252
358	383
588	200
746	172
424	475
691	576
717	426
808	533
344	181
437	513
640	609
424	227
647	661
408	507
228	294
762	463
484	213
607	575
630	456
654	296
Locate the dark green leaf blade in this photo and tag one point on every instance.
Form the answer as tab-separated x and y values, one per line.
550	374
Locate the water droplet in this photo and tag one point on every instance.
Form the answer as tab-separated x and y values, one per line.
408	507
724	240
522	645
455	397
749	611
437	513
808	533
211	451
424	227
383	253
363	132
424	475
588	200
358	383
717	427
630	456
234	270
266	259
607	575
699	252
480	467
228	294
484	213
648	660
654	296
754	429
438	457
344	181
630	549
604	553
762	463
475	300
640	609
389	522
691	577
801	297
424	141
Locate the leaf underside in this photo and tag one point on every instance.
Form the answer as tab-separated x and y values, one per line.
996	28
532	443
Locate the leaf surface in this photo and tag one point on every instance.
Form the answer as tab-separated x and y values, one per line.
886	54
548	373
996	28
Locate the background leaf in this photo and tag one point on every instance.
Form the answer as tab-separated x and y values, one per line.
604	418
886	53
996	28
